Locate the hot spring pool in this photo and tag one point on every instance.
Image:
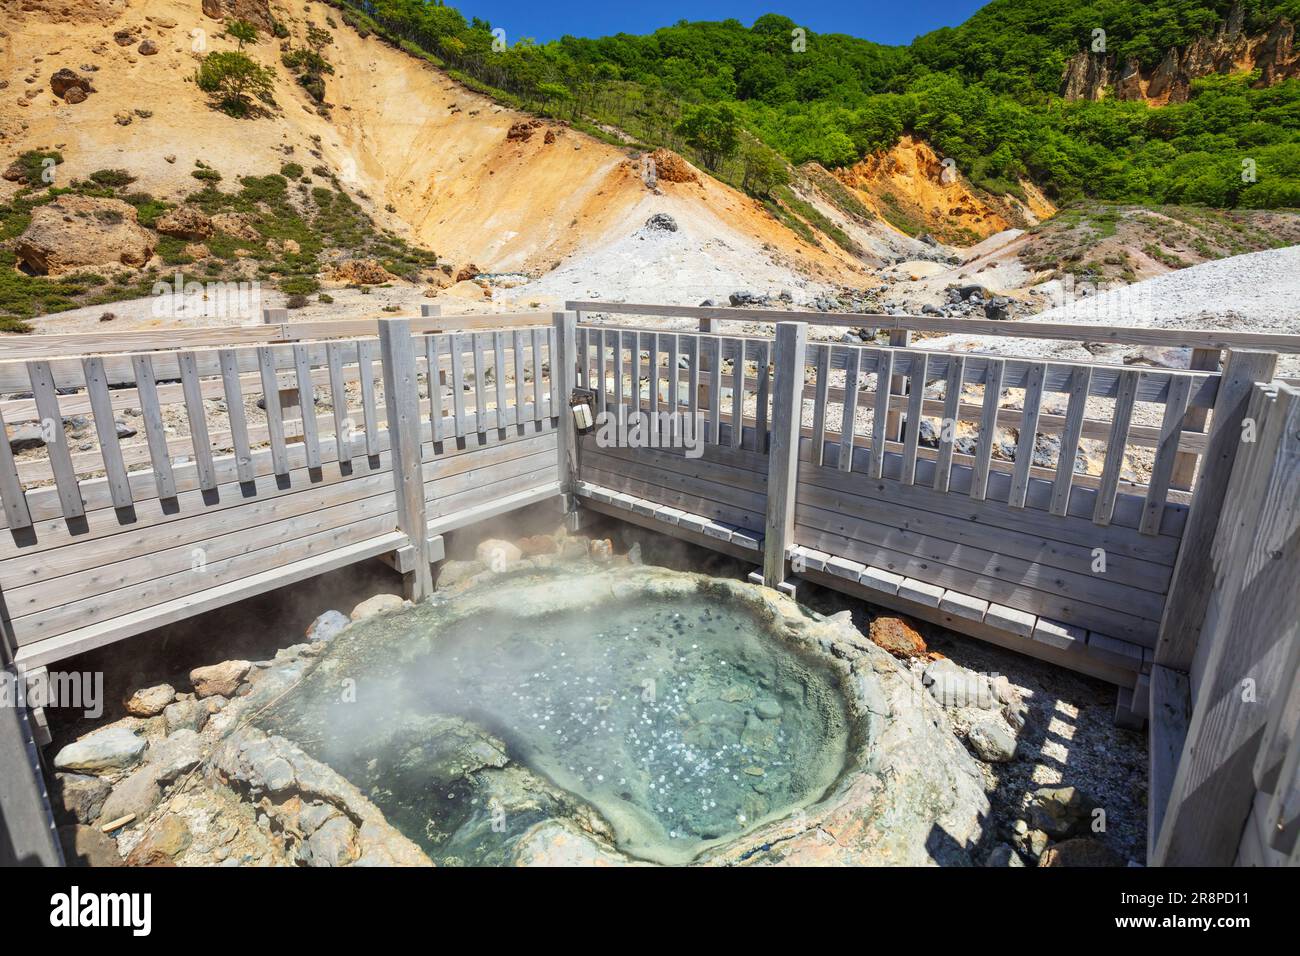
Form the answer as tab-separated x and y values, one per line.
666	722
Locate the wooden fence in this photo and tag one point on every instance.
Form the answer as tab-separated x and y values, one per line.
160	483
1072	564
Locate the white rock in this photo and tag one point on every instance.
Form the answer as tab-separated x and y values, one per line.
112	748
497	554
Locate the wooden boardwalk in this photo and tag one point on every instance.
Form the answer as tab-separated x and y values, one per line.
253	458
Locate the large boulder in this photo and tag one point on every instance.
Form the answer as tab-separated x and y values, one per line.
184	222
83	232
113	748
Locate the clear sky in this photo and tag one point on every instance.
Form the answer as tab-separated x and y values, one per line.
885	21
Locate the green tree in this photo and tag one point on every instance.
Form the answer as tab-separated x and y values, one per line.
764	169
234	81
712	130
241	30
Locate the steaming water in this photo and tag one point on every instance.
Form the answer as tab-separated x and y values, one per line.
682	723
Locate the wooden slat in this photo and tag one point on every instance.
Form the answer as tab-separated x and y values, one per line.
674	375
715	389
433	364
850	408
653	375
1033	403
559	401
499	371
539	398
11	489
763	397
274	415
583	379
1080	379
106	429
783	457
738	393
480	384
307	406
518	349
988	431
948	427
458	382
339	401
196	415
1185	464
47	405
155	433
915	407
1162	469
602	381
234	398
1122	415
693	384
880	414
366	373
822	357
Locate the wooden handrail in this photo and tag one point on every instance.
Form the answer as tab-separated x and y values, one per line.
77	344
1120	335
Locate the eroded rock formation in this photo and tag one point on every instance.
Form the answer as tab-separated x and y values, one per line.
1230	49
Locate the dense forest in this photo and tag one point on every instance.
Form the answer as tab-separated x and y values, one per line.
986	93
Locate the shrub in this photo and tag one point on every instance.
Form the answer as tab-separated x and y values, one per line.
234	81
241	30
291	171
112	178
295	301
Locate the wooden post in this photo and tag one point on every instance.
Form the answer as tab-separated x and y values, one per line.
27	834
1193	577
402	397
783	451
898	339
562	370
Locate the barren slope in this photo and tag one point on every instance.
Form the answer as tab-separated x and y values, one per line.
423	155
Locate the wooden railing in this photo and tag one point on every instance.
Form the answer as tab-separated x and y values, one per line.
163	482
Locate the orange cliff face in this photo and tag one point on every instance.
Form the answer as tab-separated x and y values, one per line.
910	183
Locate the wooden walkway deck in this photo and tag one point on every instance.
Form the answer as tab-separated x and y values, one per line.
255	458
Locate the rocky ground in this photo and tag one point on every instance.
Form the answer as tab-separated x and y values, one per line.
184	776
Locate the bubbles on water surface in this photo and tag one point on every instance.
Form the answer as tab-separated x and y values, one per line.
681	722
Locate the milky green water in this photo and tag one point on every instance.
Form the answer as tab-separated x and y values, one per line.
682	723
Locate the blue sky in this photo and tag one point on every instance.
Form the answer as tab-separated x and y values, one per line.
885	21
